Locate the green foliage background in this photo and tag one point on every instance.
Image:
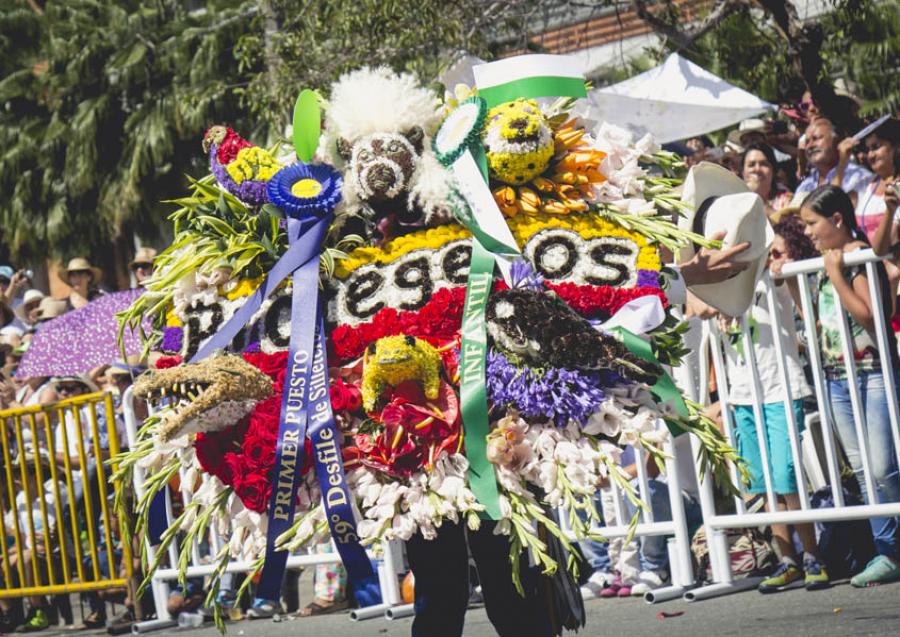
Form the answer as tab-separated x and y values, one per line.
103	104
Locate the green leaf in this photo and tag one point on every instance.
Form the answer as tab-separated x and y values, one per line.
307	125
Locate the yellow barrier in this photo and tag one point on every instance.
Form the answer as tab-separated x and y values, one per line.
51	499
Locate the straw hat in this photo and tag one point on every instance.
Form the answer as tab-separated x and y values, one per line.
80	264
76	378
745	128
720	201
50	308
30	297
143	256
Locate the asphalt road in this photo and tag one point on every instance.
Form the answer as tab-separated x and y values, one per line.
840	611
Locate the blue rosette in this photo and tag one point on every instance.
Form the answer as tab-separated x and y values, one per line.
303	190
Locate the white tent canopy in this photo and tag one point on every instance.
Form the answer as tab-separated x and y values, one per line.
676	100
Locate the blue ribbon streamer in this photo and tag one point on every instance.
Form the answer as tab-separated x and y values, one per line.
336	497
306	401
290	445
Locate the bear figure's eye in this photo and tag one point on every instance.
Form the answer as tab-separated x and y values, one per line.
394	147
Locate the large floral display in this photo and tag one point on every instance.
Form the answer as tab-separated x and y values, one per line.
565	385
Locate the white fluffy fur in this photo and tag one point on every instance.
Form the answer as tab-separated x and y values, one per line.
378	100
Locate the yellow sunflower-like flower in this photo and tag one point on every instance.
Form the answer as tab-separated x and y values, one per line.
566	186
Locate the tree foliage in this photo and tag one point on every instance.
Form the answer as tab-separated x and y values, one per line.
105	103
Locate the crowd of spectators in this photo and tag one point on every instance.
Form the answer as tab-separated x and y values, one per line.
827	192
77	450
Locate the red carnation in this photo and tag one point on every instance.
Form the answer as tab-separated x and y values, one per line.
165	362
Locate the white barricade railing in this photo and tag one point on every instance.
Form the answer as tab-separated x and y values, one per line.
682	581
678	546
716	523
389	566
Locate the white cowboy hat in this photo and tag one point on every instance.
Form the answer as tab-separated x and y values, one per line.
50	308
31	296
725	203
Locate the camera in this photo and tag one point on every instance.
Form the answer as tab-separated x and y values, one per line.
779	127
28	274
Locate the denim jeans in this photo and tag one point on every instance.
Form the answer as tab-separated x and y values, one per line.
654	553
877	428
441	570
596	553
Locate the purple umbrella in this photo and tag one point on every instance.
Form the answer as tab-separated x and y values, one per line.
82	339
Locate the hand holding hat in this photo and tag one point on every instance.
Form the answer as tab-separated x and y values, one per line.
714	266
722	207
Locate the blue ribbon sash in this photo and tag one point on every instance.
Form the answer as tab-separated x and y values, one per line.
289	449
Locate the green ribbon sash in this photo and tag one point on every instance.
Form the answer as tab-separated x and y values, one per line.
664	389
473	383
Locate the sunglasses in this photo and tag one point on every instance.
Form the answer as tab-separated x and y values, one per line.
68	389
141	266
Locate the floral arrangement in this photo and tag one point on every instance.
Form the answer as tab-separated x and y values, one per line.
564	394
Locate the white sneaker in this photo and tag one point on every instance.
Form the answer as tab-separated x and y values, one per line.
648	581
597	582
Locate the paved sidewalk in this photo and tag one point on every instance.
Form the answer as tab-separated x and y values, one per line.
840	611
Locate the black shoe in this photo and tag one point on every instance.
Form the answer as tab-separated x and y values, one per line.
8	622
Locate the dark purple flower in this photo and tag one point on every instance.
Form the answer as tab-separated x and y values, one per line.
560	394
648	278
171	341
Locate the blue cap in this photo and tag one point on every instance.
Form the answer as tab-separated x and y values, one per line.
6	272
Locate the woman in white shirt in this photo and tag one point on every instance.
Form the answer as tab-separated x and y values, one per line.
775	429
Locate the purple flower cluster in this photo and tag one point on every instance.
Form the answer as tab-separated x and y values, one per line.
648	278
560	394
522	275
172	339
251	191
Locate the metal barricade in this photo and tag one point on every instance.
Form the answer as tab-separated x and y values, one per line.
678	544
56	502
202	565
716	523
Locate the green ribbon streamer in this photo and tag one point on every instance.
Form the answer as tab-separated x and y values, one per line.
473	383
664	389
531	87
473	349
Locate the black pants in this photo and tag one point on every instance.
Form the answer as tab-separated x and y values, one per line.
441	570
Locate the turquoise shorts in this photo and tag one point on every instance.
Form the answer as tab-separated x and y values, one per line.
778	446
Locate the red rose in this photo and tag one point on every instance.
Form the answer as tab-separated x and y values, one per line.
165	362
272	365
232	467
259	451
254	491
345	396
265	418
